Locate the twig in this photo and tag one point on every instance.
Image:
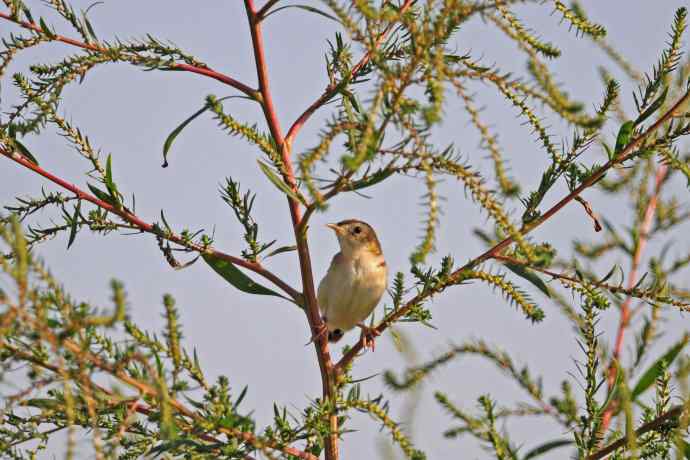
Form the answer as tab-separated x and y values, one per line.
629	291
658	422
148	390
645	227
626	153
331	89
150	228
264	9
251	92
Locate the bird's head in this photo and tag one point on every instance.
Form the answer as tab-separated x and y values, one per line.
356	236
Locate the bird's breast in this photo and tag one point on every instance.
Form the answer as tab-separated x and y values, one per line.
355	289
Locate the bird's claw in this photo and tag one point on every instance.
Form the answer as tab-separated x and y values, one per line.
369	335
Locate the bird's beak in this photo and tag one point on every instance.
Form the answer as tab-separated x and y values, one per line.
338	230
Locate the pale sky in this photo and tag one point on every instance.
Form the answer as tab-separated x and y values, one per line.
259	341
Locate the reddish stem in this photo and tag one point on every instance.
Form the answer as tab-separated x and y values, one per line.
662	420
251	92
331	89
127	216
311	304
644	229
624	155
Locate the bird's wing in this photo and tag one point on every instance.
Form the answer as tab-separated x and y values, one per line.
323	294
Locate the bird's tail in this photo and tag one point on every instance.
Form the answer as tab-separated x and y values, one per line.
335	335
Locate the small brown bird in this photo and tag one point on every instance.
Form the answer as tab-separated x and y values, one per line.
355	281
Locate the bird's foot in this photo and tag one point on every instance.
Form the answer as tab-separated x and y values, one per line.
369	335
321	331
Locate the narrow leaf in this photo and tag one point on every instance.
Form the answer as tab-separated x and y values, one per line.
311	9
236	277
532	277
278	182
100	194
614	389
45	29
373	179
608	275
547	446
280	250
655	370
171	137
88	25
24	151
108	179
73	224
653	107
624	135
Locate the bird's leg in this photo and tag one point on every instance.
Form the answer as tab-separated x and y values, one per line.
369	335
321	331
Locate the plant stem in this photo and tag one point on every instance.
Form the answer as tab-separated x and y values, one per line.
310	301
331	89
625	311
143	226
251	92
629	291
626	153
658	422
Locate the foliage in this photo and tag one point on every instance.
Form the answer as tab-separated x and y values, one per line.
137	393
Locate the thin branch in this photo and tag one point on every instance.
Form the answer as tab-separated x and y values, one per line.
331	89
143	226
625	154
148	390
645	227
251	92
630	291
264	9
658	422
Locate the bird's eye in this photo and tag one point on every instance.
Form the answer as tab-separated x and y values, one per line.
357	230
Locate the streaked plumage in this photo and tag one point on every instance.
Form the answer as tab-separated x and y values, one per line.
356	278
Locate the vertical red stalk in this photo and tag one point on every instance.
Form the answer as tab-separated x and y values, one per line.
625	311
311	306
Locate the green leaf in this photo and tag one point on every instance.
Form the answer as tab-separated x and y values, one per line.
655	370
547	446
280	250
171	137
609	152
278	182
372	179
234	276
533	278
108	180
24	151
624	135
101	195
613	391
311	9
45	29
73	224
165	222
41	403
608	275
653	107
240	398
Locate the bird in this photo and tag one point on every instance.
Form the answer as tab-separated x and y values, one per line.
354	283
